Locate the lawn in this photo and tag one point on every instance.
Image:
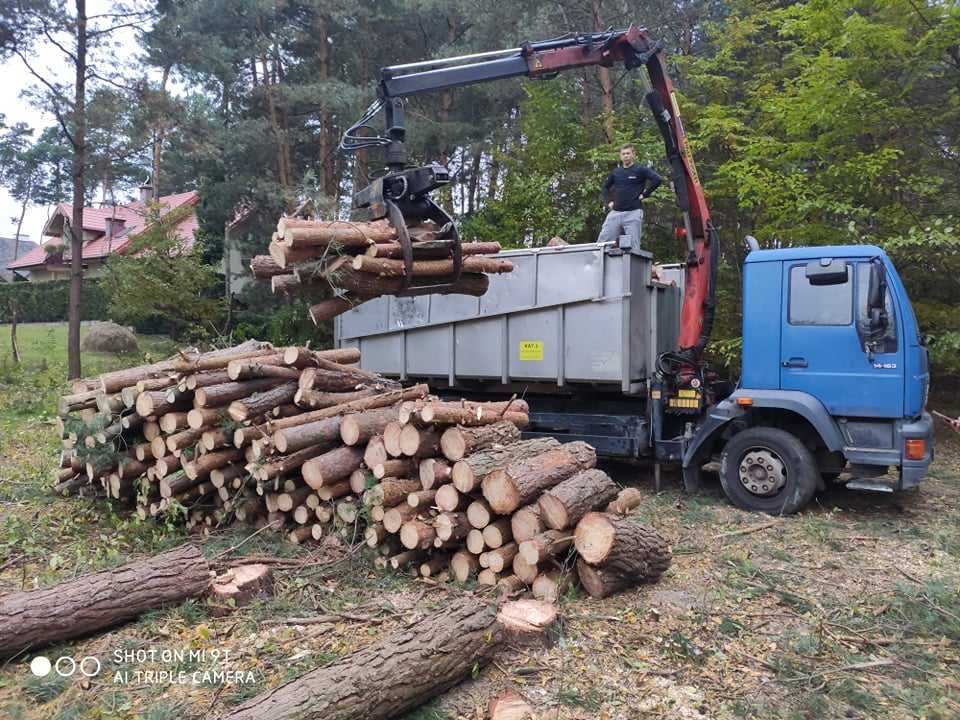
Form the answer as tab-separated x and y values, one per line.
850	609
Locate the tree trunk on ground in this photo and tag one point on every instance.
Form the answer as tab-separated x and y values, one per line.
524	480
390	677
626	500
565	504
100	600
618	552
458	442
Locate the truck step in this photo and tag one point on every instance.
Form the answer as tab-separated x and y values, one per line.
871	484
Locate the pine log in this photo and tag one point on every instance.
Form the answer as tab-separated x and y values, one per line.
345	278
285	284
469	473
434	472
458	442
424	250
406	557
417	535
328	468
215	439
345	380
360	427
396	468
78	401
326	310
479	514
501	557
245	436
241	584
251	369
474	541
509	705
545	545
448	499
315	399
261	402
390	492
205	379
166	465
385	267
375	534
182	439
300	436
223	477
395	517
497	533
421	498
563	505
552	584
99	600
524	570
524	480
526	523
419	442
225	393
375	454
451	526
626	500
155	402
284	257
360	481
263	267
338	233
171	422
288	463
205	417
463	564
201	466
435	565
219	359
346	510
391	438
622	547
382	400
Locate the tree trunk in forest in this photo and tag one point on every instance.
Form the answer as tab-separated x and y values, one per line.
565	504
100	600
474	181
521	481
390	677
159	134
14	348
76	220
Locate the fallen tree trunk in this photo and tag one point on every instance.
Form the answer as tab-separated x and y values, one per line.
100	600
523	480
390	677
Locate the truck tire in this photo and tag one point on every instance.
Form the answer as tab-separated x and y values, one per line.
768	470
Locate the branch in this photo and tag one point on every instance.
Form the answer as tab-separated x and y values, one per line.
57	44
58	93
92	74
97	33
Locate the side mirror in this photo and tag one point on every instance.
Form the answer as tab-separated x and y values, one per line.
826	271
877	300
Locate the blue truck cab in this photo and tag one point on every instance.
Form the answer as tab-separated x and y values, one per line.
833	386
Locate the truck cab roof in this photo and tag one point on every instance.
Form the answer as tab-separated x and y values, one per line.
813	252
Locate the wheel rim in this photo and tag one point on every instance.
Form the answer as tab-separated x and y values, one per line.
762	472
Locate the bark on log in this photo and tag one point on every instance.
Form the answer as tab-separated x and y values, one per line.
381	400
328	309
421	498
395	517
545	545
390	677
262	402
425	250
203	465
252	369
437	563
263	267
417	535
458	442
396	468
479	514
284	257
205	417
524	480
375	454
205	379
526	523
501	557
155	402
344	379
225	393
463	564
300	436
451	526
316	399
553	583
364	284
360	427
623	545
173	421
286	464
331	466
470	472
219	359
338	233
432	472
497	533
78	607
563	505
419	442
285	284
390	492
181	440
385	267
524	570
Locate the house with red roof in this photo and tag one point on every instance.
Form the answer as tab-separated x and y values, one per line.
106	231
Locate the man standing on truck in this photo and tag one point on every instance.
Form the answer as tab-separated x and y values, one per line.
630	184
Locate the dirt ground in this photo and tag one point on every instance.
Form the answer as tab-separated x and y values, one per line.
850	609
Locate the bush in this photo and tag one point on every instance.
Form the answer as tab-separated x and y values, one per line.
50	301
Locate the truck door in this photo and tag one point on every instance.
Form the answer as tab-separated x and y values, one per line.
822	344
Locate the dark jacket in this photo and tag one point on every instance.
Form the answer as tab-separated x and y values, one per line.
629	185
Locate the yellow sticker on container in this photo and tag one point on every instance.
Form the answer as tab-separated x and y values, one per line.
531	350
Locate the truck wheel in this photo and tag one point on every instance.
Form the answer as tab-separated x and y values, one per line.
768	470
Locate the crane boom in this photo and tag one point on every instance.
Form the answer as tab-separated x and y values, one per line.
402	191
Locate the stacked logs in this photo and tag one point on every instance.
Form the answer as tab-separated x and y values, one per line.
455	490
306	443
251	432
363	260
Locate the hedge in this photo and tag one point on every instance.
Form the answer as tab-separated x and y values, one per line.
49	301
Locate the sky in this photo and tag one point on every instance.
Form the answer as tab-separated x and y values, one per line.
16	78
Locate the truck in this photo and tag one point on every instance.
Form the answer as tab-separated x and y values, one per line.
608	347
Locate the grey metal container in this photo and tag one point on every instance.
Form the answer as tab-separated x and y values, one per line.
565	315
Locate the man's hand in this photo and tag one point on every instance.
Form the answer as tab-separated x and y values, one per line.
610	206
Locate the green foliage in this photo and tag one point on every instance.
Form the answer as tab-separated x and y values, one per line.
158	277
48	301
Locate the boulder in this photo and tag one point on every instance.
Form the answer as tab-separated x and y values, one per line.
109	337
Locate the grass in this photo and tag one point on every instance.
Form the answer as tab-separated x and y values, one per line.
770	624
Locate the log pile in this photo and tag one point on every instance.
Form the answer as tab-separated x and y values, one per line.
306	443
364	260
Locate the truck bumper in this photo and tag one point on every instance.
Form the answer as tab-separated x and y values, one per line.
912	472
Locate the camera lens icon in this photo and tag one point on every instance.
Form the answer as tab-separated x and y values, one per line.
65	666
